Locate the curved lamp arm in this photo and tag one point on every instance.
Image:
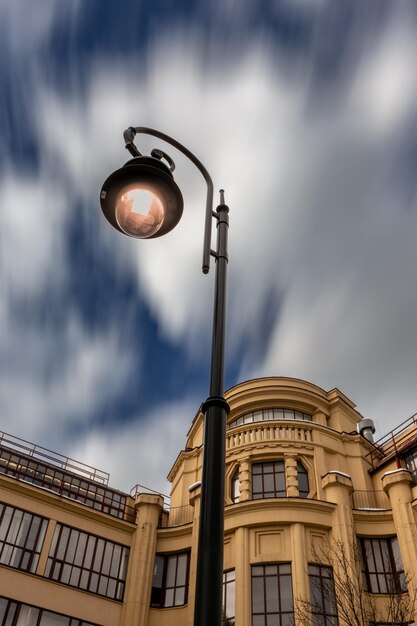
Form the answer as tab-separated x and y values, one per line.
129	136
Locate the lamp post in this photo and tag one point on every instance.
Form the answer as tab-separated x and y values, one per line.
142	200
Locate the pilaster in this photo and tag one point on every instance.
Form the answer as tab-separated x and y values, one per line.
142	556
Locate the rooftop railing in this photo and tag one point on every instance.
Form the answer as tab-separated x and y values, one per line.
396	442
23	462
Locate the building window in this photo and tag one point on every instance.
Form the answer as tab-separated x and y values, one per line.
411	463
229	598
88	562
21	538
170	580
16	613
270	414
235	491
303	487
322	595
272	602
382	565
268	480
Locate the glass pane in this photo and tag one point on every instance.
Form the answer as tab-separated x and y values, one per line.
268	468
286	593
257	484
169	597
53	619
15	525
179	596
63	539
171	570
98	555
257	468
258	604
269	482
117	553
108	553
271	589
158	571
273	620
65	574
28	616
289	415
3	608
8	512
230	600
278	414
285	568
111	588
80	552
72	546
257	570
280	483
102	585
258	620
75	576
182	569
89	552
32	533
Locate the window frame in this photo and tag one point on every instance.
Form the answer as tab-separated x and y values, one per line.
392	576
93	561
325	586
162	590
268	414
276	492
16	539
282	570
304	472
228	620
235	487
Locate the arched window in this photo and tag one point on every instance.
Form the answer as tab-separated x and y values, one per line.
235	487
303	488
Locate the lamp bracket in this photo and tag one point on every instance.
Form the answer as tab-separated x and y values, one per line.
129	137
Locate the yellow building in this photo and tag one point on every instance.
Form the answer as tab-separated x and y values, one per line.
313	506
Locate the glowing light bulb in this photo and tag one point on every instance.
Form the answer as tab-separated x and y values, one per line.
139	212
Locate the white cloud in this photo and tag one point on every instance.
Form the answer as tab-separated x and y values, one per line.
57	379
315	219
23	30
140	451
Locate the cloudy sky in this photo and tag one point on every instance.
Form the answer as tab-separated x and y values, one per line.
305	112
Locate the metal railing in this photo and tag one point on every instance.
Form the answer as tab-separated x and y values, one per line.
399	439
371	500
32	450
66	484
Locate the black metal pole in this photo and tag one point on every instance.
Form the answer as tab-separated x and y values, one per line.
209	577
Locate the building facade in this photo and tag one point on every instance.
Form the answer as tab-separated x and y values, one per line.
315	513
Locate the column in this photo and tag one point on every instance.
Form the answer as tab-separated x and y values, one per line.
245	480
142	554
397	484
243	578
291	476
299	563
342	550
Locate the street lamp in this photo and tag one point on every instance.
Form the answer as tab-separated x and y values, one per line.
142	200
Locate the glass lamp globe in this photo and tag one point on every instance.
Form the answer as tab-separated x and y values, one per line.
139	211
141	199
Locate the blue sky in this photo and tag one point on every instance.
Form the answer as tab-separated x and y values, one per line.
305	112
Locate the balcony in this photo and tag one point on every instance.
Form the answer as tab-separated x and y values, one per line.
62	476
265	432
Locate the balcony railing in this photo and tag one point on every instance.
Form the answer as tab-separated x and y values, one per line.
263	432
371	500
53	458
29	469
